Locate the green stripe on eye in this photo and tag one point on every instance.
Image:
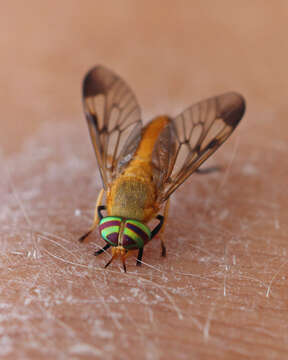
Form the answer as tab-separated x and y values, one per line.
109	230
138	240
110	218
141	226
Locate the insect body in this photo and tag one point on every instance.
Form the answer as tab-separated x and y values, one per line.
141	167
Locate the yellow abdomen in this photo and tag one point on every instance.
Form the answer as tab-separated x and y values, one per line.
133	194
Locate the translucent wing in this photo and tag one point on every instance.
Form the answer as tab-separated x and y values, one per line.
191	138
114	122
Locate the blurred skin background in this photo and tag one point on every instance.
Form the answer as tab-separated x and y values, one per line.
221	292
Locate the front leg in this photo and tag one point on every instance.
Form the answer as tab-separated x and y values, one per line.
162	226
96	217
98	252
139	257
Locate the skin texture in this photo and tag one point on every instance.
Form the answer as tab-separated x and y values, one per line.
221	292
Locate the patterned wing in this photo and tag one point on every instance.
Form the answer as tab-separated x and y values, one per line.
114	120
191	138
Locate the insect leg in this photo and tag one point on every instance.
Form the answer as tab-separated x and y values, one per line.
208	170
99	209
161	230
139	257
107	246
157	228
96	217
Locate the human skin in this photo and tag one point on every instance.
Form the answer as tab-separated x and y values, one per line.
221	292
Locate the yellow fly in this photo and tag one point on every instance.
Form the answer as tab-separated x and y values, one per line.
141	166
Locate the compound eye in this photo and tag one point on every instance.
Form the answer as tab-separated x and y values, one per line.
136	235
109	229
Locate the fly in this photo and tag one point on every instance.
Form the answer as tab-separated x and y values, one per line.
141	166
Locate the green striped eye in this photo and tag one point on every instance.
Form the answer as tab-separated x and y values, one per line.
134	236
109	229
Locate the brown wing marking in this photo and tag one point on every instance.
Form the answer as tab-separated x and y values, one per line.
112	113
192	137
